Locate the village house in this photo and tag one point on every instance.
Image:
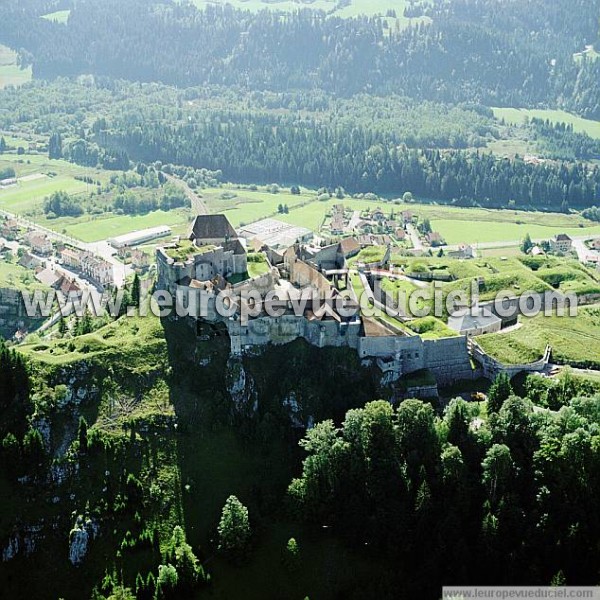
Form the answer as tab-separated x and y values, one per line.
377	215
464	251
407	216
49	278
139	259
39	243
434	239
69	286
9	229
28	261
98	270
562	243
72	257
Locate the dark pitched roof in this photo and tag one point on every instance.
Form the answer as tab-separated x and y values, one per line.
563	237
349	246
212	227
235	246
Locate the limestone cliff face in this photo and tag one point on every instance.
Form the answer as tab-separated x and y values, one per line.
241	386
84	531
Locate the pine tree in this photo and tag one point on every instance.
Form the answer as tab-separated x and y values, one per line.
527	244
234	527
62	327
135	291
83	435
55	150
500	391
2	145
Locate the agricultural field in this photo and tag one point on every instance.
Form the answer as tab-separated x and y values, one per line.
574	340
10	73
478	232
29	195
517	116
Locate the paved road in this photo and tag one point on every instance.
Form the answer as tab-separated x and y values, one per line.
199	207
414	236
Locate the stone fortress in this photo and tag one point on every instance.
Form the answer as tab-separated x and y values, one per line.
215	259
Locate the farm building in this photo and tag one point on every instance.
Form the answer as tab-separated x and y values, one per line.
139	237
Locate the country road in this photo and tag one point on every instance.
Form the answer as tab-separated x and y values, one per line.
199	207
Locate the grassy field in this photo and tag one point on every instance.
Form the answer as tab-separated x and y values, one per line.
10	73
29	195
59	16
574	340
250	206
93	229
518	116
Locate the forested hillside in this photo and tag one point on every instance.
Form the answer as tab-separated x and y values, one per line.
488	52
386	145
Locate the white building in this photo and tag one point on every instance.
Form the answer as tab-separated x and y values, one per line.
139	237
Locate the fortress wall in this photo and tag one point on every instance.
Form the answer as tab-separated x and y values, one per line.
170	272
448	359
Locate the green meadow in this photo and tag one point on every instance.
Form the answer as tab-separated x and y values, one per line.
29	195
249	206
10	73
518	116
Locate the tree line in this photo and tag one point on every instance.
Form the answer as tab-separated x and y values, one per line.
264	148
460	500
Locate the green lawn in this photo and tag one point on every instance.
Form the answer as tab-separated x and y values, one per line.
574	340
257	264
10	73
517	116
